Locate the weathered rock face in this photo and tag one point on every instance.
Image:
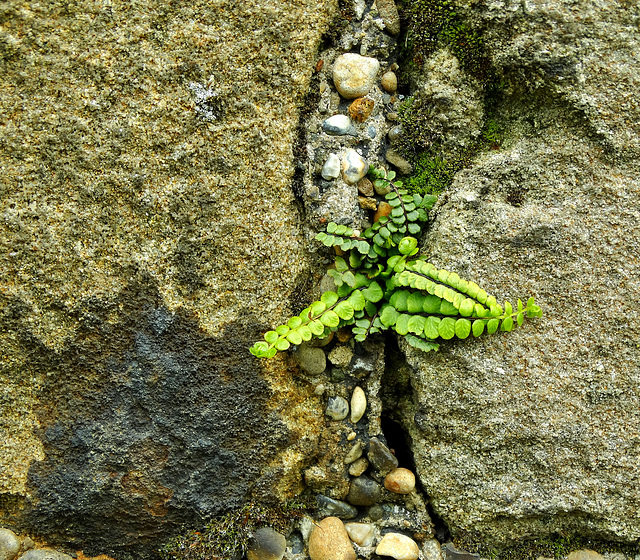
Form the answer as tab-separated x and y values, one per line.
537	432
149	234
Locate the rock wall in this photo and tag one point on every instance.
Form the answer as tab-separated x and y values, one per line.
149	235
537	432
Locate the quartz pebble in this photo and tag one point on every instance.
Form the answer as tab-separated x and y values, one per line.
354	167
361	109
398	546
329	540
338	125
266	544
44	554
358	467
381	457
330	507
354	453
364	492
9	544
337	408
361	533
389	82
399	481
331	168
354	75
358	404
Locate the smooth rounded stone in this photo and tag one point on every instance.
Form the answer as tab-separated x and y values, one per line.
44	554
311	359
361	109
367	203
329	540
431	550
394	133
389	82
10	544
354	167
401	164
584	554
338	125
337	408
399	481
380	456
361	533
358	467
329	507
398	546
371	131
389	13
266	544
452	553
358	405
354	75
341	356
331	168
364	492
365	187
382	188
384	209
354	453
375	513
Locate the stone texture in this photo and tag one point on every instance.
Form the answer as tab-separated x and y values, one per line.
361	533
400	163
311	359
400	481
537	432
337	408
146	199
381	457
389	13
358	467
452	553
329	540
335	508
584	554
358	405
398	546
364	492
354	75
354	167
389	82
360	109
338	125
9	544
331	168
266	544
44	554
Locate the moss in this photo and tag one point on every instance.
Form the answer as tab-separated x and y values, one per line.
432	174
558	546
226	536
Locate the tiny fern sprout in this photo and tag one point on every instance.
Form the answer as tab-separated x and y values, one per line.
382	284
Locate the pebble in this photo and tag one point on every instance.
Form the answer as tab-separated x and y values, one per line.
394	133
311	359
364	492
401	164
585	554
389	82
354	167
330	507
399	481
354	75
354	453
361	533
351	436
358	405
44	554
431	550
10	544
389	13
380	456
266	544
341	356
371	131
331	168
398	546
365	187
361	109
338	125
384	209
358	467
391	116
383	189
337	408
367	203
329	540
452	553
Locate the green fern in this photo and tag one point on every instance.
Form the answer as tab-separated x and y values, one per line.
382	284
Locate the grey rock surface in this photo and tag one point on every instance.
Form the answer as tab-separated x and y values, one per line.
537	432
44	554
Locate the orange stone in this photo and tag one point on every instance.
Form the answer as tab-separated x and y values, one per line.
384	209
360	109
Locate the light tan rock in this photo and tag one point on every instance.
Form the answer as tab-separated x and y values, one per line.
354	75
389	82
398	546
400	481
358	404
358	466
329	540
585	554
361	533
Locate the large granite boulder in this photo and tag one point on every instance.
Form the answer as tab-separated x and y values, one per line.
149	236
536	432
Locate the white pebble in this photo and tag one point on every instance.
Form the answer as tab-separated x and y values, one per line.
361	533
358	404
398	546
331	168
354	75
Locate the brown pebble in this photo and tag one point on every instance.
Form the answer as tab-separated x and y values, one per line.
343	334
400	481
329	540
367	203
365	187
389	82
360	109
384	209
